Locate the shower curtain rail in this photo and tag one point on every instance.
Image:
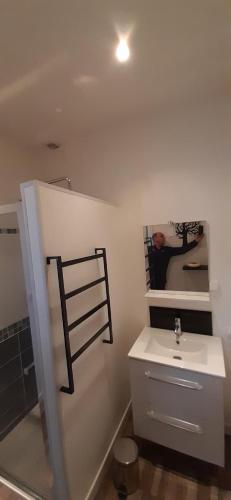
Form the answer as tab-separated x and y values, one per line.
71	358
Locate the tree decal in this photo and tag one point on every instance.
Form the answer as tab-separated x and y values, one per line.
182	229
147	239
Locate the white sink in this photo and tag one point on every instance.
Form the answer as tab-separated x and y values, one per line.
188	350
200	353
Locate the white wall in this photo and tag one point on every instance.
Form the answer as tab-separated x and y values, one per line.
17	164
13	305
72	226
173	166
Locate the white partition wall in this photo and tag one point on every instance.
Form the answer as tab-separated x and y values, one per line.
72	226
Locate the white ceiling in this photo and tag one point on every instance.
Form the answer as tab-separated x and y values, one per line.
60	54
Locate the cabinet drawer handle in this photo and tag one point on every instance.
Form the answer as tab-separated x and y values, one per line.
175	381
175	422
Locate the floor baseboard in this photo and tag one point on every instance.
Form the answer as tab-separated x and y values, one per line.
108	456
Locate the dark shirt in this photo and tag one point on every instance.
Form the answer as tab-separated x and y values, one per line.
158	262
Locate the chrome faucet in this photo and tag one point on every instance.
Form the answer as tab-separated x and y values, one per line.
177	330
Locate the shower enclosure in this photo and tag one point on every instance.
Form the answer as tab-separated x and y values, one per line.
66	325
23	455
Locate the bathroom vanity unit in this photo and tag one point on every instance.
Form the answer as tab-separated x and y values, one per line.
177	392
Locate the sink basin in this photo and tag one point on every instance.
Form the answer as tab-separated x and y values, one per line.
188	350
200	353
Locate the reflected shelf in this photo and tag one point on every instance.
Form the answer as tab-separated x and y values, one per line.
202	267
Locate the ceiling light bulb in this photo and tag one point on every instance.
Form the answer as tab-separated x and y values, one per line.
122	51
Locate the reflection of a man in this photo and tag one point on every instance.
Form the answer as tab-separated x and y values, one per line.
159	256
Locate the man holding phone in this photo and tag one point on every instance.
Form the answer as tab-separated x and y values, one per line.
159	256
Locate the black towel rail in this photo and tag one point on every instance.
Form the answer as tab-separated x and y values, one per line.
100	253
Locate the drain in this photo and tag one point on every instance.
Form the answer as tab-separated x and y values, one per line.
177	357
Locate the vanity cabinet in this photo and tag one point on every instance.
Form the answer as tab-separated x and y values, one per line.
179	409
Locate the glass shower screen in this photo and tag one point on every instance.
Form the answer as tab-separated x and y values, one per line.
22	449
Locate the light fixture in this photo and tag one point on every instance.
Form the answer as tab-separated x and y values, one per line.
122	51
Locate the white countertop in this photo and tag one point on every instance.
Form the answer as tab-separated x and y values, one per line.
200	353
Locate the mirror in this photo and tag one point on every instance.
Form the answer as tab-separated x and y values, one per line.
176	256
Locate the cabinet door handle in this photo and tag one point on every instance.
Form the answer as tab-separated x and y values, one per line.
28	368
175	422
189	384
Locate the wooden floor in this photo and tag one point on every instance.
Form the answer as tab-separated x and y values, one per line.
169	475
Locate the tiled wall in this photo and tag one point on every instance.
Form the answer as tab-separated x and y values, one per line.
8	231
11	330
191	321
18	391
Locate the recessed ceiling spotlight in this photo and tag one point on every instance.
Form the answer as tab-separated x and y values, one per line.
122	51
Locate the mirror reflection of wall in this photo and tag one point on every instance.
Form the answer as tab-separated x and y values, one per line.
176	256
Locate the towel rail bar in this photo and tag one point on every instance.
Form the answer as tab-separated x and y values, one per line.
71	358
